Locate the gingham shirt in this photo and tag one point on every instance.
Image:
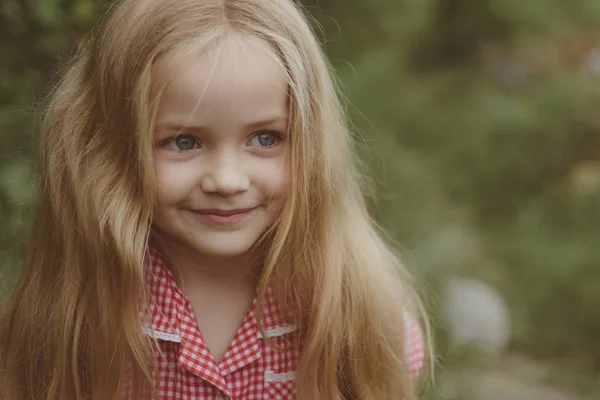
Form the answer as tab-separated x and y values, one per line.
249	370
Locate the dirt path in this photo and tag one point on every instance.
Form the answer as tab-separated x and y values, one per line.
508	378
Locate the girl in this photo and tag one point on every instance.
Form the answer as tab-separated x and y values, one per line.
200	231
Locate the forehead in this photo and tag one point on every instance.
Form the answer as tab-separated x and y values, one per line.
236	80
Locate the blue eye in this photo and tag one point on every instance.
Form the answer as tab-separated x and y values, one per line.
264	139
183	142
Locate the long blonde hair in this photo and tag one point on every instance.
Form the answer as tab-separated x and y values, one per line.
71	327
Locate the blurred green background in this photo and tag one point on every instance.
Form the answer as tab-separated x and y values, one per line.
479	123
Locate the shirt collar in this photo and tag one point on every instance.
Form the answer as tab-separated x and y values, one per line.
166	307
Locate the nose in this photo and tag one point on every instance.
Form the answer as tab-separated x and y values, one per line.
225	176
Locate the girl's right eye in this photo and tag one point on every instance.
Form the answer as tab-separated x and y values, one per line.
183	142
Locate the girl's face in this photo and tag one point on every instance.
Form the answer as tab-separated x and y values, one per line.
220	157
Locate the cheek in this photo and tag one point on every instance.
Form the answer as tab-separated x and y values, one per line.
172	181
275	182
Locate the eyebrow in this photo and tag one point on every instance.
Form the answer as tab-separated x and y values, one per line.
198	128
268	121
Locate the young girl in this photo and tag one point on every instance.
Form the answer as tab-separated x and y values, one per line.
200	231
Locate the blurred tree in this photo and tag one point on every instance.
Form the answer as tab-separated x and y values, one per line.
491	108
35	36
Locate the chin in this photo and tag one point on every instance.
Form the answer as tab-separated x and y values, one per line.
224	253
217	248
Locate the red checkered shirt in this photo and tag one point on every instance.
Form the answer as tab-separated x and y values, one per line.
250	369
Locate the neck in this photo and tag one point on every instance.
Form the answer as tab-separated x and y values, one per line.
197	270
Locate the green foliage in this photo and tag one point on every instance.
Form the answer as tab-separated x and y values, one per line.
481	124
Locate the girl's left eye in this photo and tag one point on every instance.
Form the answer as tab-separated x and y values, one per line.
264	139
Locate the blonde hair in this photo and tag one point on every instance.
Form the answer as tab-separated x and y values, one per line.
71	328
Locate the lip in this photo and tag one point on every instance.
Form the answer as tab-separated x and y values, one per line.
224	216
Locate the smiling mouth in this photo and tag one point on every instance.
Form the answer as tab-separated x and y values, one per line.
224	216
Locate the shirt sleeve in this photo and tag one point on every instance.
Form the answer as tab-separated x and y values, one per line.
413	347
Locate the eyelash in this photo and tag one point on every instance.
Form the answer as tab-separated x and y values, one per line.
166	142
